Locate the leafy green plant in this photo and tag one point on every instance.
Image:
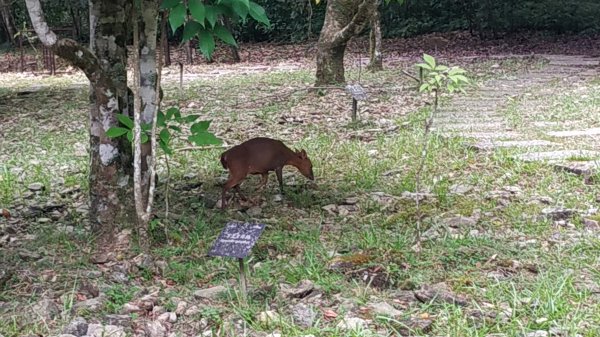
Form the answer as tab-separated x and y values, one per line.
206	19
117	296
436	77
168	123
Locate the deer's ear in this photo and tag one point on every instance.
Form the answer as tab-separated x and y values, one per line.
303	154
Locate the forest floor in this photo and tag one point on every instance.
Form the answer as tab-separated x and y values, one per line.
504	240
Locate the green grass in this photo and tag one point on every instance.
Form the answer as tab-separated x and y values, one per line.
301	237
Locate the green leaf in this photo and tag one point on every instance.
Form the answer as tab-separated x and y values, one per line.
146	126
198	11
177	16
130	135
165	136
200	126
125	120
258	13
190	30
429	60
456	71
175	128
160	119
165	148
207	43
441	68
240	7
212	14
168	4
424	87
172	112
424	66
204	138
462	78
145	138
115	132
190	118
223	34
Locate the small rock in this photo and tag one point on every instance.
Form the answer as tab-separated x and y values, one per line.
119	320
538	333
303	315
209	293
158	310
268	317
119	277
558	213
129	308
351	323
439	293
193	310
351	201
170	317
591	225
301	290
44	220
277	198
331	208
36	187
154	329
26	255
66	335
143	261
181	307
98	330
77	327
45	309
91	305
254	211
462	221
460	189
384	309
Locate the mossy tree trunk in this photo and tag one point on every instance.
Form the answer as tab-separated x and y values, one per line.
375	56
105	65
343	20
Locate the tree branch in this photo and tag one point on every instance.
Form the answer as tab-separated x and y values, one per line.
357	24
68	49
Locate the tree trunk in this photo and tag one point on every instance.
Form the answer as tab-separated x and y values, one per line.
343	20
111	197
375	56
7	21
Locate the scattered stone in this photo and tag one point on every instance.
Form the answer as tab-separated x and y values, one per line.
118	320
35	187
352	323
303	315
91	305
191	311
209	293
557	155
254	211
384	309
98	330
77	327
268	317
462	221
349	262
558	213
170	317
350	201
459	189
119	277
591	225
129	308
26	255
414	325
416	195
45	309
331	209
154	329
538	333
143	261
181	308
490	144
439	292
301	290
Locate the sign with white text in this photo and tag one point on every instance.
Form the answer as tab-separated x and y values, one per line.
237	239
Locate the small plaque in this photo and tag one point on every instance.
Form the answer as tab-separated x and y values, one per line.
237	239
357	92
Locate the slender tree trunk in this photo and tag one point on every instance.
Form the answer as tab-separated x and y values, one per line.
235	52
7	20
376	58
343	20
111	201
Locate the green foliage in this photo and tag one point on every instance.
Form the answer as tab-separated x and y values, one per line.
117	296
205	17
436	77
167	124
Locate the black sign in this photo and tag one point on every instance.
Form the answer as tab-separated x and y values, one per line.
236	239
